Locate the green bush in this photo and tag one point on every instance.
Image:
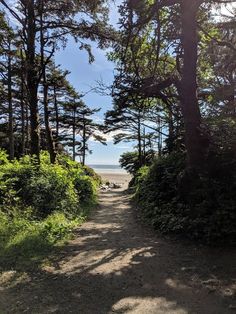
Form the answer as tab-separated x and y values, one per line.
41	204
131	163
46	188
85	187
23	239
206	211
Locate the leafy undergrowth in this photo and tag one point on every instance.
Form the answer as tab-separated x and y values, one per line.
40	205
25	242
201	207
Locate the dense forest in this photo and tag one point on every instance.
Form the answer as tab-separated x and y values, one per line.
173	98
174	95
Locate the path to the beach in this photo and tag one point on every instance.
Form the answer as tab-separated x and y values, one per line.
116	265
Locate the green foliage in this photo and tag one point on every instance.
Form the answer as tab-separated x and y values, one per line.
91	173
85	187
40	204
205	211
25	240
46	188
130	162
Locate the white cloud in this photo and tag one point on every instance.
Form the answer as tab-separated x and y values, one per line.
108	136
122	147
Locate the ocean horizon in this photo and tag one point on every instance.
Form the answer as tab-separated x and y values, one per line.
100	168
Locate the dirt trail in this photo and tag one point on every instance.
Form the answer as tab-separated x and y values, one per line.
115	265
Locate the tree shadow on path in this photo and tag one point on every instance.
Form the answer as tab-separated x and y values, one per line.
114	265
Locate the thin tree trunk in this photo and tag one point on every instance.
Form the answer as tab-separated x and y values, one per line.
10	107
22	105
84	144
50	142
27	129
140	155
171	130
49	136
56	112
144	146
74	131
159	137
32	81
189	101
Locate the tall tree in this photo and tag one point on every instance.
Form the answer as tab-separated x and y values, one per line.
81	19
154	34
8	58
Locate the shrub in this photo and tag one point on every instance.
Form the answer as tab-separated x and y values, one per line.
85	187
23	239
205	212
131	163
41	204
46	188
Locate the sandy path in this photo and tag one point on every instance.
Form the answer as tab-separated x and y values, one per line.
114	265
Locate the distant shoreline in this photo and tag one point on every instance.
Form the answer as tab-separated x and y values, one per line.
108	169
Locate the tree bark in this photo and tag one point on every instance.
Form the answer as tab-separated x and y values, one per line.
140	155
171	129
56	112
159	137
10	107
32	81
27	129
22	106
49	136
50	142
84	144
74	131
189	101
144	147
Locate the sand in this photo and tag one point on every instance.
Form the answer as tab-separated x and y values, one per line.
119	178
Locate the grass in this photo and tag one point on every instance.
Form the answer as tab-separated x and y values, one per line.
25	242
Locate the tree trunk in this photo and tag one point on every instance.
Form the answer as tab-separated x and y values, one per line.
74	131
159	137
27	129
50	142
22	106
32	81
140	155
144	147
49	136
84	144
56	112
189	101
10	107
170	129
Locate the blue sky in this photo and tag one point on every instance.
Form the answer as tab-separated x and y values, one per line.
84	76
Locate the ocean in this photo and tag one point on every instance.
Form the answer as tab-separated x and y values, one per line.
108	169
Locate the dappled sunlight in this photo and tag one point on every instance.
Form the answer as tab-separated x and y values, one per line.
139	305
124	259
175	284
115	265
12	278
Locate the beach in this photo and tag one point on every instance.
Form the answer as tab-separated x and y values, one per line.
112	174
120	178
